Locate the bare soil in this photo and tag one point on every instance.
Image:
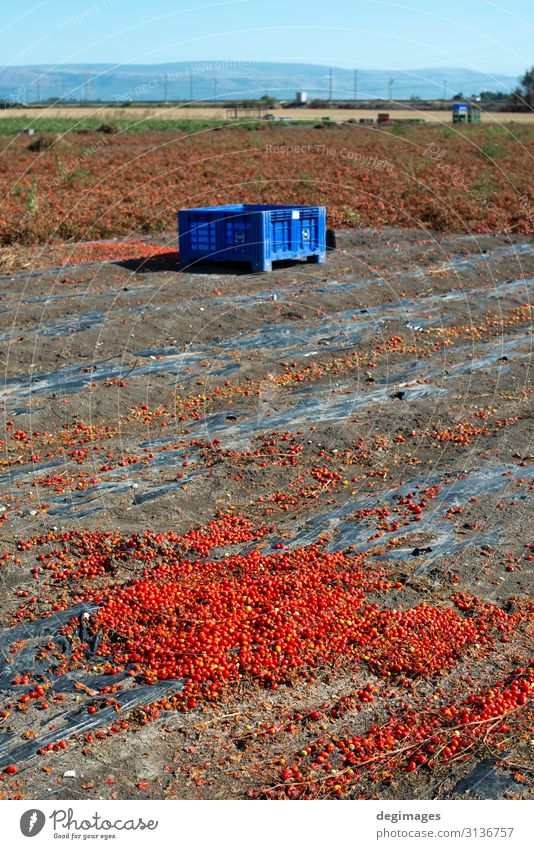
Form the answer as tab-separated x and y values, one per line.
72	335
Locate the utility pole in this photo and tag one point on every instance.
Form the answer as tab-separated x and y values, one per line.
190	87
63	89
390	89
330	86
86	86
166	87
215	88
38	84
444	89
355	85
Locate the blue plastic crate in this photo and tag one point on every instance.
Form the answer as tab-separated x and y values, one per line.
256	233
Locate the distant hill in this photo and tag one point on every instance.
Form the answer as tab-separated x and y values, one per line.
227	80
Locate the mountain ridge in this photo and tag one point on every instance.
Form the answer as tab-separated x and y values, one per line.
231	79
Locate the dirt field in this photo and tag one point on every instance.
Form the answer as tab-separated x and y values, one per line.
174	112
354	622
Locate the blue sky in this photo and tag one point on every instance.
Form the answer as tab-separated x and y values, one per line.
478	34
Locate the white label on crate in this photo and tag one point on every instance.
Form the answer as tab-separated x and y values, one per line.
295	213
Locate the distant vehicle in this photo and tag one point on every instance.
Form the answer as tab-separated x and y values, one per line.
464	113
269	117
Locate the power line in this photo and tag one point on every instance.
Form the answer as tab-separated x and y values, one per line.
355	85
330	85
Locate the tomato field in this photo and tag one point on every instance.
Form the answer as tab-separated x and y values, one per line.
92	186
267	535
